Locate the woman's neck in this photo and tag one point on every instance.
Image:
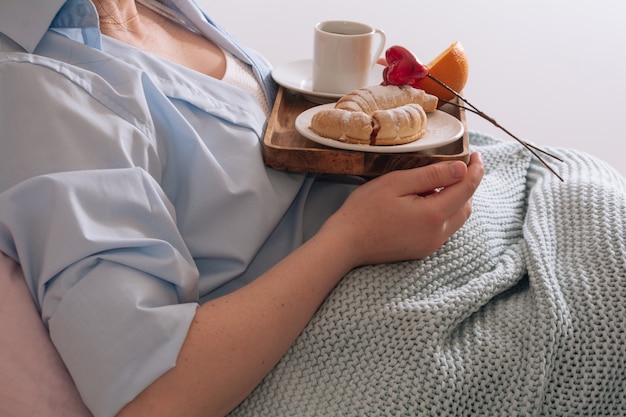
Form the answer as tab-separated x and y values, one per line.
145	29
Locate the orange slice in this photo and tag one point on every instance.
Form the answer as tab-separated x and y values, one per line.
451	68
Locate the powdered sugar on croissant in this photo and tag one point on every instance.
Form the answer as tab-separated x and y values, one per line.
385	97
377	115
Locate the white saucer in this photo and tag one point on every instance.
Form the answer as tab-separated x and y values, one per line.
441	129
298	76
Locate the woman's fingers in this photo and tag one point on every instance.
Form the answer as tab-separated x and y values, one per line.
455	196
450	208
391	218
425	180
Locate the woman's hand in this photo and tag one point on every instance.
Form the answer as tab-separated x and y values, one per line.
407	214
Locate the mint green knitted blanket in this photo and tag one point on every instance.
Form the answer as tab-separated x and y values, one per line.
521	313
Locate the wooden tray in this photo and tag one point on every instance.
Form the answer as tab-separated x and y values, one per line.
287	150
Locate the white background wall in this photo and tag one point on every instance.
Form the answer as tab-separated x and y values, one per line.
551	71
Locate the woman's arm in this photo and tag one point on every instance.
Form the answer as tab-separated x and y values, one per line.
237	339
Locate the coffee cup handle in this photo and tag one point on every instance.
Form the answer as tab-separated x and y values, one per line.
381	45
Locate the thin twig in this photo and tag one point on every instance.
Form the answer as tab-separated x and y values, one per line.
531	148
535	147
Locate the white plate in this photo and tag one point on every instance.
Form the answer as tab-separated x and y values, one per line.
298	76
441	129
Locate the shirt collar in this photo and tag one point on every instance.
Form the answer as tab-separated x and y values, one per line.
26	21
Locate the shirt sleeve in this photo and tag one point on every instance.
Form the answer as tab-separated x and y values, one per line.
82	211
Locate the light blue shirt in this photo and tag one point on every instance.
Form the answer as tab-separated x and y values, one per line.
131	189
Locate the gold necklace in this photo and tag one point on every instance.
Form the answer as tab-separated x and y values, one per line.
121	24
114	21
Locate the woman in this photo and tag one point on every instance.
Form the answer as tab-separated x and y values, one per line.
133	187
176	273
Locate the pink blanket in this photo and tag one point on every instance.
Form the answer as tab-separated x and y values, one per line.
33	380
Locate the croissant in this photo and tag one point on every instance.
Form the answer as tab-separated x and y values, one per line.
385	97
376	115
399	125
343	125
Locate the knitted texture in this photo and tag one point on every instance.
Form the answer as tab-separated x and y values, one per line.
521	313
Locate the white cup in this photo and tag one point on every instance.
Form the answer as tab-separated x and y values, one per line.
343	55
